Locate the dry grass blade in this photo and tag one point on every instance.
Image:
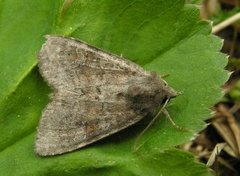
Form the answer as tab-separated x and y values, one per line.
228	128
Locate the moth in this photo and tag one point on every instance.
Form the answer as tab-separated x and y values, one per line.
95	94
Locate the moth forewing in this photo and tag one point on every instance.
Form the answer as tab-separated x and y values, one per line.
95	94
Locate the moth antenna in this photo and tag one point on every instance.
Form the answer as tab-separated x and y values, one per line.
165	112
135	147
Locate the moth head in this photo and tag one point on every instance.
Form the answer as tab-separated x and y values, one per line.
149	92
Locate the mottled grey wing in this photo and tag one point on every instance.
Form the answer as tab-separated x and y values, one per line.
86	104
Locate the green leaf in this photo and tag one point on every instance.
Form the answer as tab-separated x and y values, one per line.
197	2
162	36
22	25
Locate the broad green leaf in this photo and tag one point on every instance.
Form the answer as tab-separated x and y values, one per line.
162	36
22	25
198	2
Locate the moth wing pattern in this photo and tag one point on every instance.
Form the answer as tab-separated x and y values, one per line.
87	102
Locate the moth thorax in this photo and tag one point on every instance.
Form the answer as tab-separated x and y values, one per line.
150	92
144	99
